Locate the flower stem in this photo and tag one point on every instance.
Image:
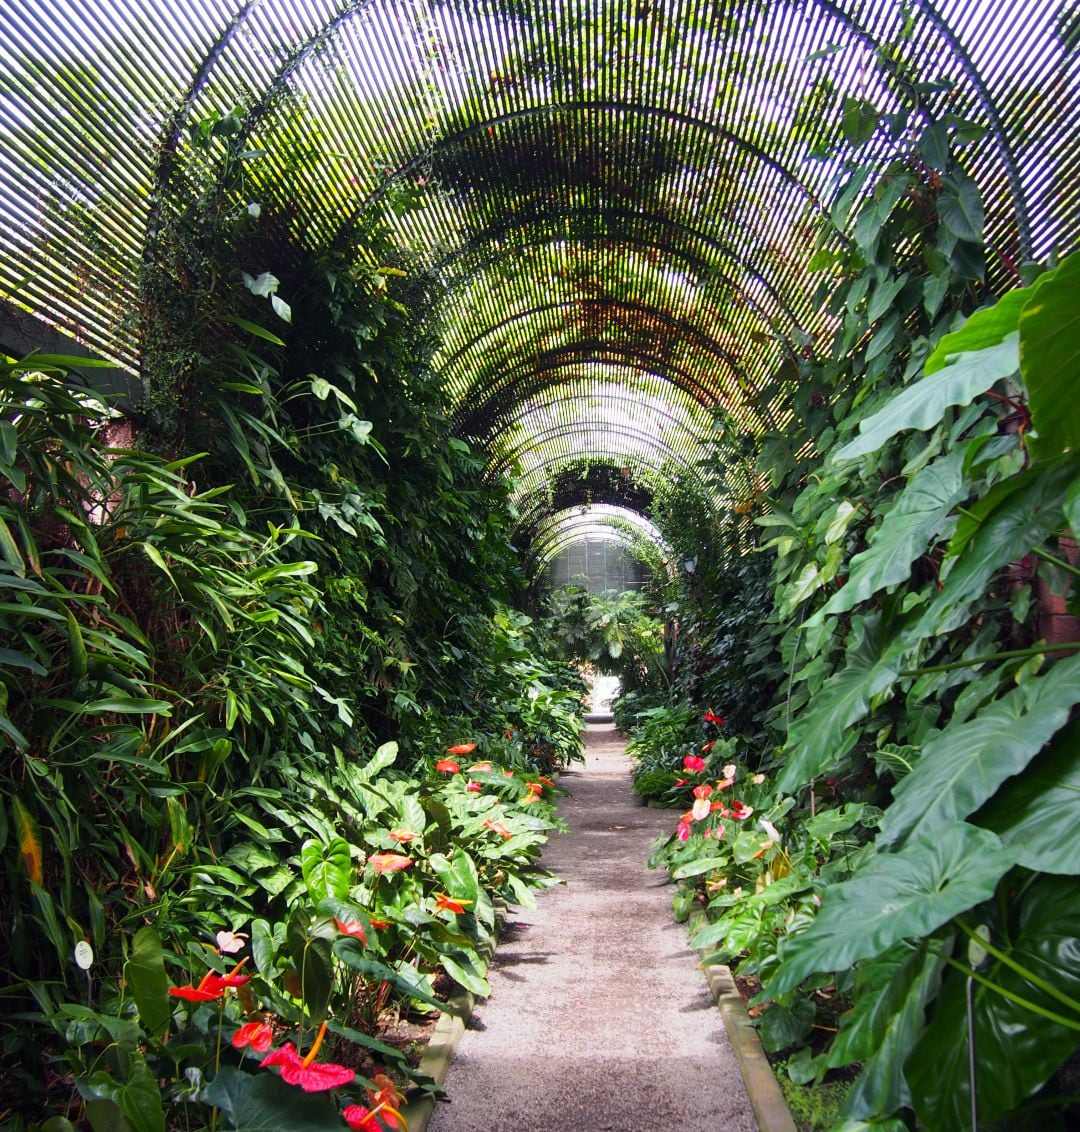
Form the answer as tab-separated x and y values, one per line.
1027	1004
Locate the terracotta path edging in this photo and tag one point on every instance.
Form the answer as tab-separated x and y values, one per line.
766	1097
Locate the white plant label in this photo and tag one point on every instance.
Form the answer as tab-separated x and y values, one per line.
84	955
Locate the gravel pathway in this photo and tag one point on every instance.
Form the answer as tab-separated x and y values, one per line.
599	1019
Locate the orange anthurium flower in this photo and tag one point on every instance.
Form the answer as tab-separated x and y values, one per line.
380	925
447	766
312	1076
482	767
445	903
258	1035
462	749
389	862
535	787
497	827
547	782
528	798
402	835
702	791
352	928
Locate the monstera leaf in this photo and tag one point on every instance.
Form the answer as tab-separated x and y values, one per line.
897	896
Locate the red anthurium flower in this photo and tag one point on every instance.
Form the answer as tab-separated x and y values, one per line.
712	717
462	749
482	767
682	831
389	862
715	806
359	1117
740	811
497	827
258	1035
446	904
312	1076
681	781
351	928
709	746
401	835
694	762
535	787
547	782
380	925
509	734
212	986
702	791
447	766
474	787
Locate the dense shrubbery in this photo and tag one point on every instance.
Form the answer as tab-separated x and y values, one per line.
234	658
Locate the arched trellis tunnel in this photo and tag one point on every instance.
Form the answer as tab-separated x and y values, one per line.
402	300
589	182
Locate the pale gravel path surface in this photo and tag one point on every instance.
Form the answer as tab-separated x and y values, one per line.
599	1019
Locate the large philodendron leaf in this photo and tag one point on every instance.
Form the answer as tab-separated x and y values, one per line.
891	995
1015	515
327	868
1050	360
144	974
920	513
457	873
922	404
1037	811
897	896
264	1103
821	733
1016	1049
963	766
311	955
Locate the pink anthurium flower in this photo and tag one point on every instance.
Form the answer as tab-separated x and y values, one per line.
229	943
483	767
739	811
401	835
682	831
389	862
497	827
474	787
312	1076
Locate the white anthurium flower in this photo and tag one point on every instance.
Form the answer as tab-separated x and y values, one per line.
729	770
771	830
700	809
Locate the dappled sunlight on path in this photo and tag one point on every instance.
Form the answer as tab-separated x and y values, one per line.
599	1019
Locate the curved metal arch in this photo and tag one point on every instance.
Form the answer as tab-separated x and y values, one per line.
581	106
564	529
557	432
502	398
581	493
540	469
492	234
711	346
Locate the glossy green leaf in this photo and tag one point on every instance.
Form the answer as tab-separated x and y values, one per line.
1036	812
1017	1050
920	513
126	705
891	996
922	404
989	326
327	868
457	873
404	979
782	1026
312	956
962	766
896	896
262	1102
463	970
1050	360
145	976
960	206
821	734
138	1097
